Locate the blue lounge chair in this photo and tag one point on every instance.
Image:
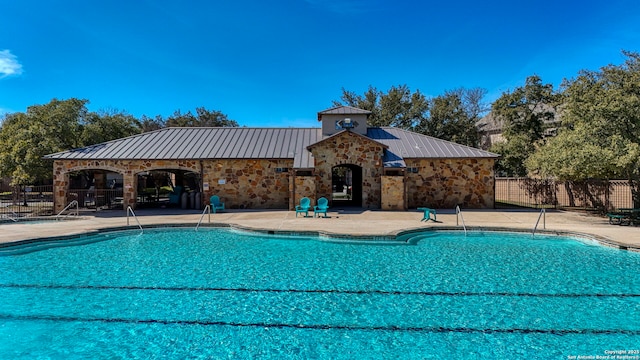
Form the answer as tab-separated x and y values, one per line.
321	208
216	204
305	205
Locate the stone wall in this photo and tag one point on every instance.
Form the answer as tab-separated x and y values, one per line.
239	183
393	193
248	184
344	149
303	186
445	183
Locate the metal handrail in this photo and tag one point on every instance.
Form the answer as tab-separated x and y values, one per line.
130	210
14	214
543	214
459	214
74	202
206	209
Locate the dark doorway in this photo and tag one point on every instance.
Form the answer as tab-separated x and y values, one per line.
346	184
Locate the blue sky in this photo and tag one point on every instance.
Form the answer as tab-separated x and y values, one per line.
279	62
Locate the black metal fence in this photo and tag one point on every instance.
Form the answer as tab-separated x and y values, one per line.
96	198
26	201
35	201
593	195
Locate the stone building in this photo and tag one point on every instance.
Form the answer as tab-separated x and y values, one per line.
345	161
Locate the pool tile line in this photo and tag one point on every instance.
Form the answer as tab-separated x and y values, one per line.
265	325
320	291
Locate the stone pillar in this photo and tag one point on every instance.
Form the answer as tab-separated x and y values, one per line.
393	193
130	190
60	186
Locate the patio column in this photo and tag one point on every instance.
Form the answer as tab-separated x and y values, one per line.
60	186
129	192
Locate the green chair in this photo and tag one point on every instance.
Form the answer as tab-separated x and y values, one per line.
305	205
321	208
216	204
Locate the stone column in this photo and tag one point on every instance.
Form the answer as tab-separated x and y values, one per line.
130	190
393	193
60	186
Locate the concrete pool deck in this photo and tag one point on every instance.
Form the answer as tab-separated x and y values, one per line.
347	222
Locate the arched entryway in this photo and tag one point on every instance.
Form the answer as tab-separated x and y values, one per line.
94	188
166	187
346	185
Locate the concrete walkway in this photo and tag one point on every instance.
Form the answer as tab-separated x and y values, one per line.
351	222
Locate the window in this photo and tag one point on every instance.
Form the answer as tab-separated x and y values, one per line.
413	170
282	170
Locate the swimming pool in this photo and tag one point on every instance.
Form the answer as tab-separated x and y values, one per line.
221	293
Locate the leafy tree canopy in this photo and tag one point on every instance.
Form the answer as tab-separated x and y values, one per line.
66	124
451	116
399	107
43	129
523	113
107	125
57	126
600	137
202	118
525	109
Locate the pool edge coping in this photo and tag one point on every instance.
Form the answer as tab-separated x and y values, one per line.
332	236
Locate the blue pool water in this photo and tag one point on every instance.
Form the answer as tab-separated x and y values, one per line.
218	293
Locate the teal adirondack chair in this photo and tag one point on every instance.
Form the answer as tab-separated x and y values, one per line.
305	205
321	208
216	204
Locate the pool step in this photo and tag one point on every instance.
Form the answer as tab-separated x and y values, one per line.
414	238
22	248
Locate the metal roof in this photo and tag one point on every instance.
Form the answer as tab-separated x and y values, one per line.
206	143
342	110
261	143
344	131
405	144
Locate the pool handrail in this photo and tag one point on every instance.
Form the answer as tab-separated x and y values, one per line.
543	214
206	209
130	210
13	212
459	214
74	202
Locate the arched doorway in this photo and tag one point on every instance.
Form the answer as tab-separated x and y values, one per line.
94	188
168	187
346	185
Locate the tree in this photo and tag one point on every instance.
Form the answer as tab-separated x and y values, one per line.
524	113
399	107
43	129
147	124
108	125
600	137
453	116
203	118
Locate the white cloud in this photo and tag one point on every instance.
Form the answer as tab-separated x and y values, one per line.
9	64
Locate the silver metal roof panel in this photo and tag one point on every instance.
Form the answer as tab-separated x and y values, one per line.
406	144
262	143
